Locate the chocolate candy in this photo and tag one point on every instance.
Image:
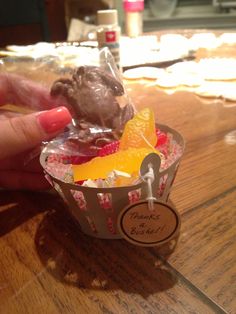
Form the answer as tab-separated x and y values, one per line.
91	95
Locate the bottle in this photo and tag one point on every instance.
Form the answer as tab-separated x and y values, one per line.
108	33
133	17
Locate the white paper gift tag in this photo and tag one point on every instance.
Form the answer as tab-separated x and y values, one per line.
140	226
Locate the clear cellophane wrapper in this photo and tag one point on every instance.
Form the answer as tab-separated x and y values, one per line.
89	85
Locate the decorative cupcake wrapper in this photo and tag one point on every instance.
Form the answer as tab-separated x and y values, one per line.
97	209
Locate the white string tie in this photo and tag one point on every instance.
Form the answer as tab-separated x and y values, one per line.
149	178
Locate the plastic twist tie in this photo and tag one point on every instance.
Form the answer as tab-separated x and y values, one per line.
149	178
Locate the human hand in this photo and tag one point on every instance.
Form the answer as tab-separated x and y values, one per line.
19	134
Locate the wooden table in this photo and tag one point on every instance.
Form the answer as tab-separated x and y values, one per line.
48	266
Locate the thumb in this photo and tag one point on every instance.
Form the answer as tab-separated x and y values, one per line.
19	134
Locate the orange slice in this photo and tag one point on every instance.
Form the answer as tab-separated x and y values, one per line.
128	161
140	131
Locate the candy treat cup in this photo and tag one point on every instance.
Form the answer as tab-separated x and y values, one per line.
97	210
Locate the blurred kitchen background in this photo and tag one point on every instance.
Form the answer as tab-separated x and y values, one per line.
31	21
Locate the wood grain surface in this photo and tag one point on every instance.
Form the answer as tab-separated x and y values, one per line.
48	265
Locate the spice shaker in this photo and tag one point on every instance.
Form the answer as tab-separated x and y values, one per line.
108	32
133	17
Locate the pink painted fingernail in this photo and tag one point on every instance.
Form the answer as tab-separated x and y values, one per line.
54	120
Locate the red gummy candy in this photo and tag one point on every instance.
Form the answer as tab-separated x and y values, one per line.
109	149
161	138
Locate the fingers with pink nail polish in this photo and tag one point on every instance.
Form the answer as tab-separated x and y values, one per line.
53	120
19	134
